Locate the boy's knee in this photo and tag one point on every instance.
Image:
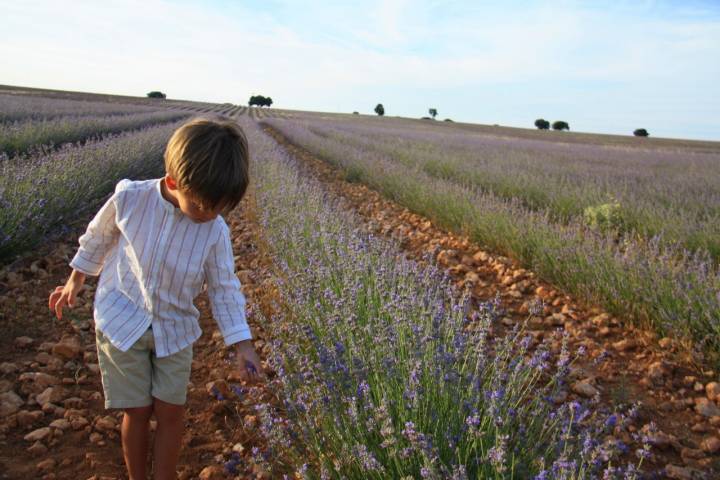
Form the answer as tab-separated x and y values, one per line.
139	413
167	412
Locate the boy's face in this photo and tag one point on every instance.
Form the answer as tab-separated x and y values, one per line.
189	205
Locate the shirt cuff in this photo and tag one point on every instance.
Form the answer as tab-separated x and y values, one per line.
238	336
88	268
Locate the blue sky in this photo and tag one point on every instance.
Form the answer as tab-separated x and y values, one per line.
605	67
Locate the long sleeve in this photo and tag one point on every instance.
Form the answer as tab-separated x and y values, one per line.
100	236
226	298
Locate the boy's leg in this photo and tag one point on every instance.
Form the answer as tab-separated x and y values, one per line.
126	378
170	377
135	434
168	438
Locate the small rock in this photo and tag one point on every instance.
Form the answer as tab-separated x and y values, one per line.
68	347
10	402
700	428
218	388
560	397
212	472
38	448
681	473
706	408
711	445
25	418
624	345
105	424
51	395
39	380
60	424
7	368
46	465
584	388
38	435
78	423
712	390
23	342
96	438
656	371
556	319
659	439
688	454
74	402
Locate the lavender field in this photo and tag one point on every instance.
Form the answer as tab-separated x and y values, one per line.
382	368
633	229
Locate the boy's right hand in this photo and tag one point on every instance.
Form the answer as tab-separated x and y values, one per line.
66	294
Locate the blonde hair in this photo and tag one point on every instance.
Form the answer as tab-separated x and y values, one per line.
208	158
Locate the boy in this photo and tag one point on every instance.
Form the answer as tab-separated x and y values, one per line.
154	244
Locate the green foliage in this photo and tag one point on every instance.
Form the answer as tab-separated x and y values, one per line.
156	94
356	113
447	120
379	109
260	101
560	125
641	132
607	216
433	112
542	124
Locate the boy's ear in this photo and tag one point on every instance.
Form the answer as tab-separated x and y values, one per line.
170	182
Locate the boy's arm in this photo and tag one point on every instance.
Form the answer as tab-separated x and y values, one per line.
226	299
102	232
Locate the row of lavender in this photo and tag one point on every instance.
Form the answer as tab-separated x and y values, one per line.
55	182
24	107
673	194
667	287
19	137
42	193
385	374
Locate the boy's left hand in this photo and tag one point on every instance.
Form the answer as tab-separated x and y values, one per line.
248	362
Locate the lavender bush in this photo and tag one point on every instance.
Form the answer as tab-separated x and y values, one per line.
41	193
668	287
20	136
383	372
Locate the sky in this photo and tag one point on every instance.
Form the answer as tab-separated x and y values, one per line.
602	66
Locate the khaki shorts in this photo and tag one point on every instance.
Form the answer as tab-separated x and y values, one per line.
131	379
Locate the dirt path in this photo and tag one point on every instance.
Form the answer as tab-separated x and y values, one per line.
679	415
51	389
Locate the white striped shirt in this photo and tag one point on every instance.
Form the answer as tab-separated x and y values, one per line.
153	261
